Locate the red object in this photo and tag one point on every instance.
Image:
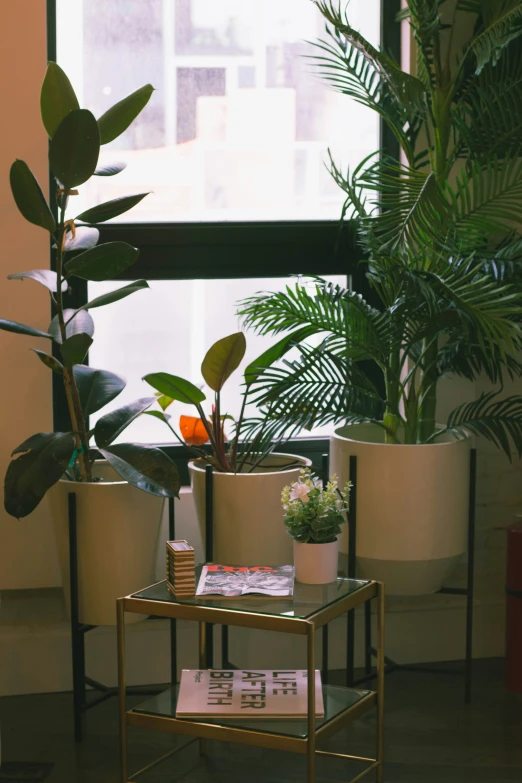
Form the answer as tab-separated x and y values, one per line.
514	610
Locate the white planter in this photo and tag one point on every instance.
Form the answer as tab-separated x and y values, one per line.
316	564
248	515
117	528
412	507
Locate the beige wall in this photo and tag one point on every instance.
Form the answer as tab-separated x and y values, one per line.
27	557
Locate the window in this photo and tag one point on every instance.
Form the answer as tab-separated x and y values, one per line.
233	145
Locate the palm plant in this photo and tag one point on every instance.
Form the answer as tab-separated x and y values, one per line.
440	227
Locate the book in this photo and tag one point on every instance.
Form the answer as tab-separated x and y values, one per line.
246	693
181	580
222	581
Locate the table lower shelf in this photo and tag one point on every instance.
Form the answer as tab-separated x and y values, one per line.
342	705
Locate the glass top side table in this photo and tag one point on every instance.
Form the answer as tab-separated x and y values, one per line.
311	607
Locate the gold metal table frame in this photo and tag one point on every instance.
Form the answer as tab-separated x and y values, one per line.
205	612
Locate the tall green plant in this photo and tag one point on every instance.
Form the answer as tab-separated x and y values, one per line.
75	137
439	224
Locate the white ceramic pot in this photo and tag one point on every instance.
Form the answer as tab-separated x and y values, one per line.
117	528
316	564
412	507
248	515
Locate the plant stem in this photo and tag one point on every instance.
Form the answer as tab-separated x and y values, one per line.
391	416
428	391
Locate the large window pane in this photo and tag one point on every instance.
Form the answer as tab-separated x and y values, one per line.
239	125
170	328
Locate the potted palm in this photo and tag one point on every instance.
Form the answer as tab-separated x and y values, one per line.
248	474
313	518
440	227
119	501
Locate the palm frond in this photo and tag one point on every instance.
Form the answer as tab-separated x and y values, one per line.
504	25
424	19
495	418
467	359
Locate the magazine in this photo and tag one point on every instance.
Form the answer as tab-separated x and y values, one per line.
250	693
222	581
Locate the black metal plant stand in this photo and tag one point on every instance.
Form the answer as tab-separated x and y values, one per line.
78	631
468	591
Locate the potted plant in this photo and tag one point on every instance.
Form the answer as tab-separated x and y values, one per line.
440	227
117	522
313	518
248	474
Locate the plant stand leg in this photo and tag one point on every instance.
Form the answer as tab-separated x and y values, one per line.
380	681
122	708
324	668
352	543
311	704
203	653
471	574
209	552
173	630
77	634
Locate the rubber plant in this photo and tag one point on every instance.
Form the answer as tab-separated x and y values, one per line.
75	137
440	227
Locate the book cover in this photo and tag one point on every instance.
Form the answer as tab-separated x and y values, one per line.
246	693
222	581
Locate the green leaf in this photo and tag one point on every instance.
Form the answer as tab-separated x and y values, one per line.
118	118
28	196
79	323
74	148
45	459
85	239
164	417
45	277
104	262
75	348
57	98
145	467
110	426
110	169
275	352
49	361
14	326
175	388
222	359
96	387
110	209
115	296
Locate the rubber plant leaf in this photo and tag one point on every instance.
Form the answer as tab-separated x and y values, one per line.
57	98
49	361
96	387
110	169
45	277
222	359
110	426
81	323
75	348
14	326
145	467
103	262
74	148
110	209
114	296
118	118
29	197
83	239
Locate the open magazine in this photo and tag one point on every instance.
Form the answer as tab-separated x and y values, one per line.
222	581
247	693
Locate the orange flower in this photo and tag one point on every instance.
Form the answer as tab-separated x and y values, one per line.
193	430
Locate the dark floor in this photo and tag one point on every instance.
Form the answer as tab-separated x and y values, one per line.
431	737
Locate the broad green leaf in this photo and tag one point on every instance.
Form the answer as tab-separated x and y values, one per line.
110	426
85	239
275	352
44	459
110	169
110	209
115	296
50	361
222	359
164	417
75	348
28	196
104	262
81	323
74	148
14	326
118	118
174	387
57	98
145	467
96	387
45	277
163	401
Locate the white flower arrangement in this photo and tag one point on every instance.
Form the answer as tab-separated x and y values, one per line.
314	515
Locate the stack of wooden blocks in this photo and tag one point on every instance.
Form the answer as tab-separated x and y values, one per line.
181	577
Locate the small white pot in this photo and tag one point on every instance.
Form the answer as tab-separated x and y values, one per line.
412	507
117	528
248	514
316	564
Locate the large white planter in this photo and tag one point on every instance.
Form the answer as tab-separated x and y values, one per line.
117	528
248	515
412	507
316	564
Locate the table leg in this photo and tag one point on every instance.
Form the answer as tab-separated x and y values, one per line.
122	708
202	665
311	703
380	682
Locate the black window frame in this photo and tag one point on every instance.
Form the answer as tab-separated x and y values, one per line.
191	251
